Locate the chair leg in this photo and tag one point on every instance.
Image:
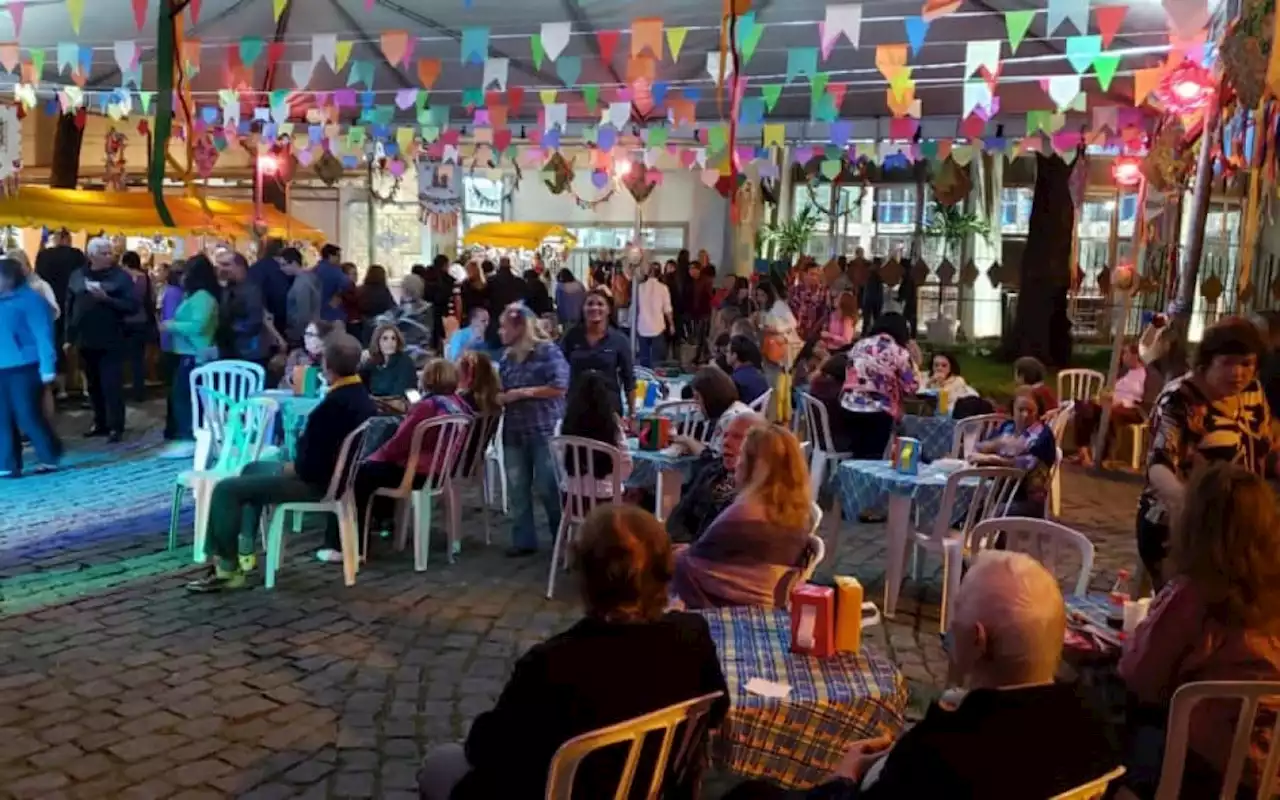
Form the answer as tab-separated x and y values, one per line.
502	485
350	541
484	515
1055	492
175	513
555	554
952	566
274	537
422	502
454	498
202	490
915	562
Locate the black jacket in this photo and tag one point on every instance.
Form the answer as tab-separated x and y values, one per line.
340	412
593	675
95	323
392	377
56	265
505	288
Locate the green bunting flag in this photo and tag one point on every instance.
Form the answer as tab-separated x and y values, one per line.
1016	24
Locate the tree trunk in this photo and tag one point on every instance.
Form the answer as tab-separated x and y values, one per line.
64	171
1041	328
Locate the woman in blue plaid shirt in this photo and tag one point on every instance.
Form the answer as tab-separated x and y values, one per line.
535	378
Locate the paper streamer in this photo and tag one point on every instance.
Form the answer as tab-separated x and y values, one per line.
845	18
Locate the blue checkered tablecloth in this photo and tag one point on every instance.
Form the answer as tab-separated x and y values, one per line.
646	464
935	434
866	486
798	740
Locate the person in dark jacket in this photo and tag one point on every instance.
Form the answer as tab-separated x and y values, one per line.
745	361
537	295
626	658
99	298
505	288
140	326
388	370
273	282
439	291
241	316
595	345
333	282
237	502
374	296
55	265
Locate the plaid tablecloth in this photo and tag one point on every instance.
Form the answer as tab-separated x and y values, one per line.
834	702
934	433
866	486
646	463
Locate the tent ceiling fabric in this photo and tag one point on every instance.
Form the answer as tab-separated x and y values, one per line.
938	67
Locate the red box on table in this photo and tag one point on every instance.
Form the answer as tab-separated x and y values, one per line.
654	432
813	620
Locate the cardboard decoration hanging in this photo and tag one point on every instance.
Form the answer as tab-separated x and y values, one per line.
439	193
951	184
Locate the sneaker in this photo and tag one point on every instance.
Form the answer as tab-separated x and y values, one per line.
329	556
45	469
178	450
249	563
213	582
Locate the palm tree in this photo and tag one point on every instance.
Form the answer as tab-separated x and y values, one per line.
953	225
792	236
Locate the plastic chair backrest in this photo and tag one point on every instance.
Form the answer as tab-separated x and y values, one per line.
582	487
691	713
1093	790
238	380
471	460
761	404
245	433
1061	420
817	423
1251	695
217	412
451	435
348	459
1080	384
687	419
972	430
1040	538
990	496
644	374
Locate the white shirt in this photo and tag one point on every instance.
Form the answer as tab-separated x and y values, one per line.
654	307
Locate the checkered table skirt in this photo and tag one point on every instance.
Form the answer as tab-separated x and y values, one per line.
866	486
834	702
646	463
935	434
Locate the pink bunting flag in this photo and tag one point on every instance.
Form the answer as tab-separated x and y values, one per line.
140	13
368	5
394	45
194	6
17	10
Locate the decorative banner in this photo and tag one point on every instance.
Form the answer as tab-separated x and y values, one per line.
395	45
890	59
938	8
569	69
555	37
1016	25
751	40
75	9
646	34
536	51
977	94
771	92
801	61
140	13
324	47
675	41
428	71
608	41
1109	19
495	71
1104	67
1187	18
1082	50
475	45
16	10
1145	80
845	18
1074	11
278	7
1063	91
980	55
917	28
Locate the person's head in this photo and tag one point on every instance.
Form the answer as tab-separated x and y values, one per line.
624	560
1227	543
765	295
812	275
741	288
199	275
735	433
174	273
714	392
439	376
1227	359
1028	371
504	264
314	335
385	343
12	274
228	266
772	469
440	263
99	253
1026	408
291	260
475	275
375	275
835	367
743	353
589	409
848	305
60	238
531	277
412	288
20	255
1129	357
704	257
669	268
945	365
518	330
596	308
894	326
477	376
131	260
1007	624
721	344
655	269
271	248
564	276
479	319
682	257
341	356
331	253
349	269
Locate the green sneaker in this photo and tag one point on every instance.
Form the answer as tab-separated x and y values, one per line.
249	563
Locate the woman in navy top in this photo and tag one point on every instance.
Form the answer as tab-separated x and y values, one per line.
595	345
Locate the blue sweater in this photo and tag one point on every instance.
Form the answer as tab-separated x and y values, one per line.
26	331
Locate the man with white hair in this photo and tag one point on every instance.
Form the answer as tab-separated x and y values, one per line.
100	297
1013	733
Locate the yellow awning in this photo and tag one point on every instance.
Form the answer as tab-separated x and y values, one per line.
126	213
526	235
239	214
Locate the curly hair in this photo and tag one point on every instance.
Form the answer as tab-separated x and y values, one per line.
777	476
375	349
625	563
1227	543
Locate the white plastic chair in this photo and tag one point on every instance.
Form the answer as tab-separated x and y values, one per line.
1251	695
495	468
243	433
1058	424
470	469
1094	789
970	431
825	457
338	501
238	380
817	547
687	419
691	713
581	489
451	435
761	404
990	491
1040	538
1080	384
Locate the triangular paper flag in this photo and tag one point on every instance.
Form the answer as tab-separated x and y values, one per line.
495	72
843	18
278	7
775	134
301	72
341	55
916	27
801	61
900	104
1187	18
933	9
608	41
1063	90
981	54
324	47
977	94
16	10
1016	24
37	57
569	69
717	65
818	86
75	10
394	45
771	92
646	34
1074	11
139	13
555	37
1082	50
618	114
1104	66
251	48
591	97
890	59
428	71
837	92
475	45
675	41
9	57
1144	80
750	41
1109	19
547	96
126	55
536	50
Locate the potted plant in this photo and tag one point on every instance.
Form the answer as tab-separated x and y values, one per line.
952	224
791	236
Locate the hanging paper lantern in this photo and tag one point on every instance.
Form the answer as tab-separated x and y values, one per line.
1127	170
1186	89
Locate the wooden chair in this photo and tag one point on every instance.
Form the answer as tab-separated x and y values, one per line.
1080	384
970	431
1047	540
581	490
691	714
1251	695
1093	790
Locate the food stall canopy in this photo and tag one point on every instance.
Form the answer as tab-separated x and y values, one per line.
279	225
526	235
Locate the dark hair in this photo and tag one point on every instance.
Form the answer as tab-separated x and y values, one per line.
1029	369
131	260
770	293
895	325
530	276
342	354
486	267
349	269
199	275
709	271
745	351
951	360
603	294
291	255
624	560
723	340
836	366
440	262
589	413
12	270
717	389
330	251
272	248
1229	336
564	276
375	275
240	261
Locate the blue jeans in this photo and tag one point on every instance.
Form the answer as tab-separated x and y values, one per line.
650	347
181	413
21	391
528	463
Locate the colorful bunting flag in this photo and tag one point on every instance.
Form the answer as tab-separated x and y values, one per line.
569	69
16	10
395	45
646	34
495	72
1109	19
608	41
1063	91
1145	80
341	54
277	8
75	10
1104	67
536	50
428	71
555	38
1187	18
890	58
844	18
475	45
750	42
250	50
771	92
139	13
984	54
938	8
1016	25
1074	11
801	61
1082	50
917	28
675	41
591	97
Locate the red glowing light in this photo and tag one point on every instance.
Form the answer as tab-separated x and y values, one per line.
1187	89
1127	171
268	165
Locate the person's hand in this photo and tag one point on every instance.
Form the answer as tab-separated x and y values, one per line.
982	459
860	757
510	396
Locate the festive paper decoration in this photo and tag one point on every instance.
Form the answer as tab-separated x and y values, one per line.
395	46
981	54
1145	80
17	10
646	34
844	18
1016	25
1187	18
1109	19
801	61
675	41
277	9
475	45
890	59
608	41
1074	11
75	10
917	28
1082	50
554	38
938	8
1104	67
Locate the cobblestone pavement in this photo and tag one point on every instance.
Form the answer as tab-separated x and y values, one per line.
115	683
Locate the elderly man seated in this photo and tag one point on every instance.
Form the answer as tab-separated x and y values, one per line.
237	503
711	489
1013	733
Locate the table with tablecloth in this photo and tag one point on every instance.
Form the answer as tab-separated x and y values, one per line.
666	473
934	432
797	740
294	411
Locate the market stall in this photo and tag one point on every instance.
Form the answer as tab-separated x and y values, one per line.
524	241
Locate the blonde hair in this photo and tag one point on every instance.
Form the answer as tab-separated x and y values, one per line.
475	275
20	255
777	476
530	334
439	377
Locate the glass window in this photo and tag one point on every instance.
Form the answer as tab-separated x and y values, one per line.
481	202
1015	210
896	205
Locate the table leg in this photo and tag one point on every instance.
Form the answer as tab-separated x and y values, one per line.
668	492
899	531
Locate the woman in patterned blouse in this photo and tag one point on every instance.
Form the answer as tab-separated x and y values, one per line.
1215	412
880	372
1025	443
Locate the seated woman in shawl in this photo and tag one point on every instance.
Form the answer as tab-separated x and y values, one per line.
753	553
